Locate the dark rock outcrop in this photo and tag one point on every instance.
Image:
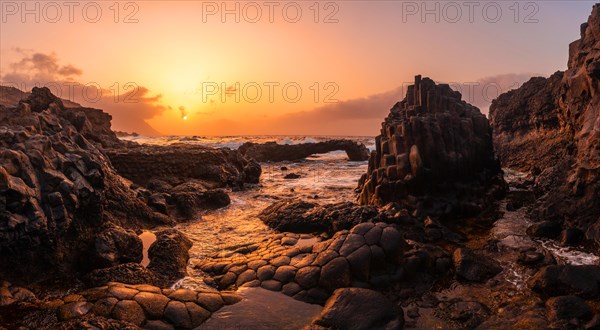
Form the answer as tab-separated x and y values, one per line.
557	280
550	128
128	273
473	267
58	191
115	246
431	143
271	151
169	255
354	308
176	164
297	216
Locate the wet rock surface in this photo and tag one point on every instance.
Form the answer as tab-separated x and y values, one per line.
369	255
122	306
271	151
360	309
298	216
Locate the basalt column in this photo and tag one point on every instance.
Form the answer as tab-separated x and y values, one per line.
429	141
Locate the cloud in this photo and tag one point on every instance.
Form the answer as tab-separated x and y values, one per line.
130	109
363	116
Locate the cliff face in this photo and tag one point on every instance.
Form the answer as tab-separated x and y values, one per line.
430	142
58	191
551	128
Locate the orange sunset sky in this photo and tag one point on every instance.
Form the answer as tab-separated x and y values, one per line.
304	67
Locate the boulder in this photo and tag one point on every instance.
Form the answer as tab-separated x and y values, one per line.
557	280
130	273
473	267
116	245
355	308
567	308
169	254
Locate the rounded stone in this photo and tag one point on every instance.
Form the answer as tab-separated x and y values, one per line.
285	273
308	277
335	274
255	264
362	228
391	241
227	279
230	298
360	262
373	236
325	257
183	295
121	292
210	301
104	307
74	309
153	303
280	261
177	314
291	289
272	285
130	311
351	244
197	314
247	276
251	284
148	288
303	260
265	273
289	241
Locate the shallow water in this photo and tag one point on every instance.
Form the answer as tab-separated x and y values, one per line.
147	238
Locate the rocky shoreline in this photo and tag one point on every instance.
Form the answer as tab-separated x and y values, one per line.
436	239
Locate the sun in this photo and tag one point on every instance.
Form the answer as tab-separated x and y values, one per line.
184	118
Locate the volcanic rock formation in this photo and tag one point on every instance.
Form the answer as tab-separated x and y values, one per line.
430	143
551	129
58	190
274	152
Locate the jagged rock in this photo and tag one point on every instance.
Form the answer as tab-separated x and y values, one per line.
297	216
169	254
60	191
115	246
130	273
549	127
180	163
431	145
190	197
354	308
271	151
